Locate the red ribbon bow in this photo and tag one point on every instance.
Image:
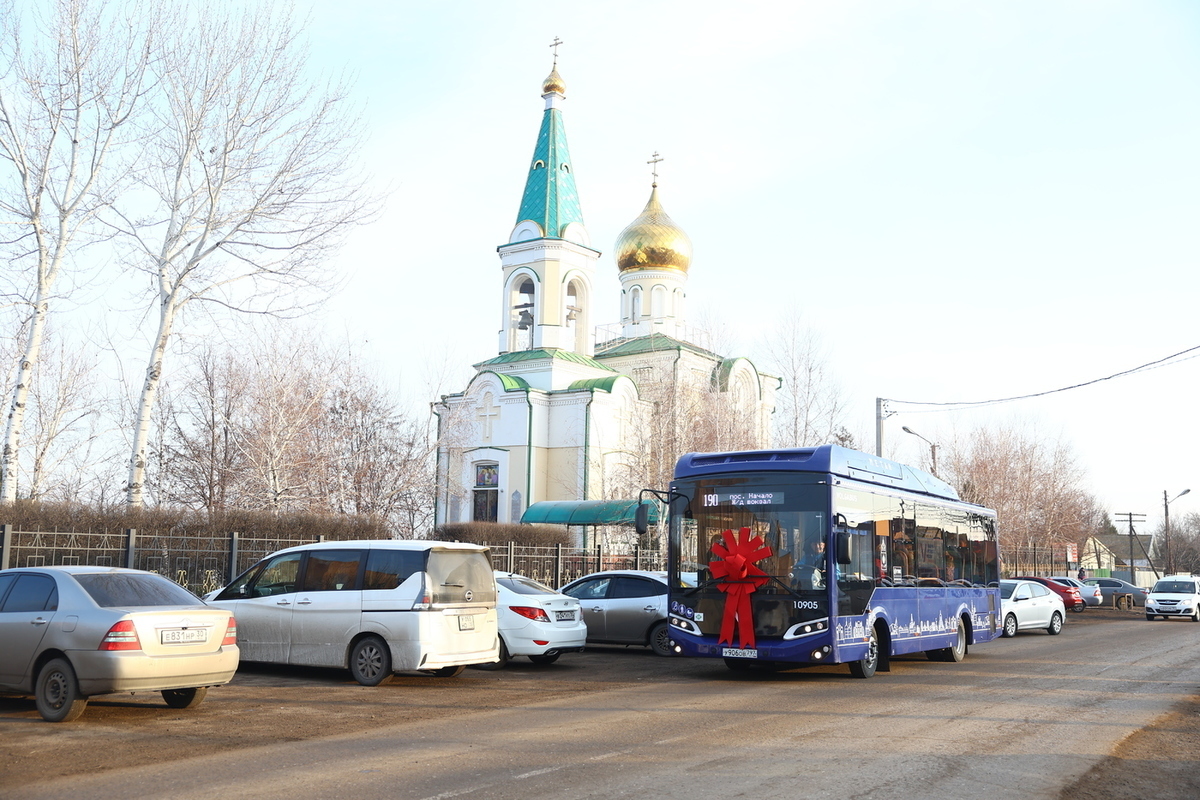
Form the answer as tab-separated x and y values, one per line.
736	557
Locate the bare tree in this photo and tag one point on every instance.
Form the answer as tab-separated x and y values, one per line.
69	84
247	182
1033	482
810	408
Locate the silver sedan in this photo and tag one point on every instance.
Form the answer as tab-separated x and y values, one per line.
73	632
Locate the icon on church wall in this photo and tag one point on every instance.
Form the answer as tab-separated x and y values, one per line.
487	475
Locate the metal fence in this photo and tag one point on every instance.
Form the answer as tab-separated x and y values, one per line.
204	563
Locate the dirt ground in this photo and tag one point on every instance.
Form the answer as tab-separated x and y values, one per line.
1160	762
270	704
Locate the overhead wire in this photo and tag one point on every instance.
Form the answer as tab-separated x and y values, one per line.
1162	362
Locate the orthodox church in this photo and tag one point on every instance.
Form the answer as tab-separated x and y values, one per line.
572	410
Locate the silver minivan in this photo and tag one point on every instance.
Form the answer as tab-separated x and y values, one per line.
373	607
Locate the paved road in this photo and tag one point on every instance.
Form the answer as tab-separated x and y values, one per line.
1019	718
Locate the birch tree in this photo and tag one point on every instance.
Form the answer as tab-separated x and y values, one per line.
247	184
810	408
69	85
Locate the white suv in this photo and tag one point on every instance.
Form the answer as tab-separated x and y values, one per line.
1175	596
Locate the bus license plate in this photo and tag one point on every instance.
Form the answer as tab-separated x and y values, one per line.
466	623
733	652
184	636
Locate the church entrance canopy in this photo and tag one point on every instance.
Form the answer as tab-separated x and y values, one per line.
587	512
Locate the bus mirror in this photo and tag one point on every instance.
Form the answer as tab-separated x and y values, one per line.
843	547
641	519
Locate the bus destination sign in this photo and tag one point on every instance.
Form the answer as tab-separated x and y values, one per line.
712	499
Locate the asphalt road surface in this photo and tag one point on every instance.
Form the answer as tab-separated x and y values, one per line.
1022	718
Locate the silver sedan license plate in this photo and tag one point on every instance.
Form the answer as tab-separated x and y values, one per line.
733	652
466	623
183	636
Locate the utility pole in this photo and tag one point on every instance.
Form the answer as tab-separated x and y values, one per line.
1140	518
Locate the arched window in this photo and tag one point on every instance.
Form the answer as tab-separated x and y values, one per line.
575	316
635	304
521	321
658	302
486	495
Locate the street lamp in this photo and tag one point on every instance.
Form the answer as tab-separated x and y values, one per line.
932	447
1167	526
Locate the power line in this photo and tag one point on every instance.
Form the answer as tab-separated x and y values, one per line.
980	403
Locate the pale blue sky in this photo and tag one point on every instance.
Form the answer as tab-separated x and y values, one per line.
968	199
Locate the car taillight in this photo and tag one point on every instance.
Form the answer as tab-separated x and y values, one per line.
121	636
230	633
530	612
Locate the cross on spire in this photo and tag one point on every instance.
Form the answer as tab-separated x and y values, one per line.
554	46
653	162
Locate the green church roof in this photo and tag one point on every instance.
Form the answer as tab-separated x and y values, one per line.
518	356
550	198
654	343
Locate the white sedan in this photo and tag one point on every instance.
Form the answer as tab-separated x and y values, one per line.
535	621
1028	605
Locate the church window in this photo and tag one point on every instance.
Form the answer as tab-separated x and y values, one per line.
486	497
521	323
658	302
635	304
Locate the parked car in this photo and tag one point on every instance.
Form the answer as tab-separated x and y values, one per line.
373	607
535	621
1115	587
1069	594
1092	596
624	607
1174	596
70	633
1030	605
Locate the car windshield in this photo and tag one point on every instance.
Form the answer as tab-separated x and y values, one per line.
1174	587
124	589
522	585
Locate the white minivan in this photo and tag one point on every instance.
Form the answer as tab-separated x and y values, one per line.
373	607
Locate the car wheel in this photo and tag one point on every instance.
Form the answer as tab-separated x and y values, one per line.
547	659
57	692
370	661
1196	615
865	667
1010	626
184	698
1079	608
660	639
500	662
1056	623
446	672
1150	618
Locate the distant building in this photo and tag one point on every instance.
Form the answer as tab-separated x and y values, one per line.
568	410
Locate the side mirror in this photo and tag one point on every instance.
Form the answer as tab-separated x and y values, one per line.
641	519
843	547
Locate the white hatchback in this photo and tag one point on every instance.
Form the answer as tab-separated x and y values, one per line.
1174	596
535	621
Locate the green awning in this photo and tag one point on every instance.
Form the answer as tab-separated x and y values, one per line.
587	512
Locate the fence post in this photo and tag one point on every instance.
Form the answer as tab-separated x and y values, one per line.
637	556
512	556
5	545
233	557
558	581
130	547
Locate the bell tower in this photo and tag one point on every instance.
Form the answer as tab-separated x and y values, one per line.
548	264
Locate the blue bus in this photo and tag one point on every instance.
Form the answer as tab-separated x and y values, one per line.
825	555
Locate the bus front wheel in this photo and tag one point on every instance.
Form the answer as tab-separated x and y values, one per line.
865	667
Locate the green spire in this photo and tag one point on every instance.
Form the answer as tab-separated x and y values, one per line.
550	197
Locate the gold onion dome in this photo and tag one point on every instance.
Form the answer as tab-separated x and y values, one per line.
653	241
554	83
